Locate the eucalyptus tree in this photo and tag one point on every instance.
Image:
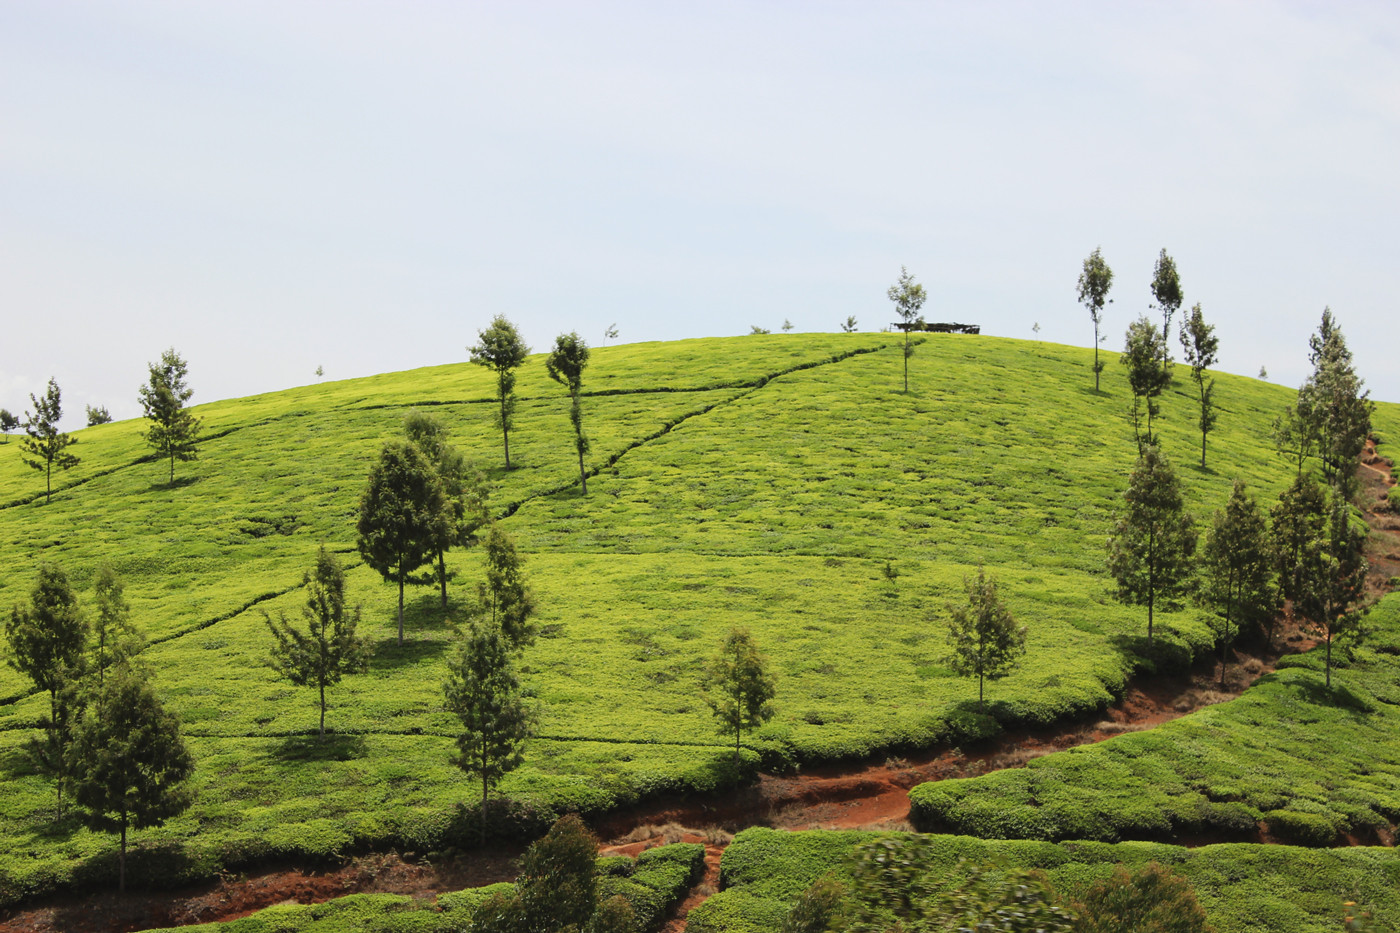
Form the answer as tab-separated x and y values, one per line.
1166	298
1239	567
1153	540
174	430
1199	347
500	349
908	297
1334	405
1094	282
1146	376
984	639
44	446
566	363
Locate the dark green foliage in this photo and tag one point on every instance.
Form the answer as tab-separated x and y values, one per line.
98	415
738	687
462	483
1199	347
329	648
557	884
174	428
1150	551
1166	298
1149	900
984	639
849	325
500	349
506	601
114	638
8	422
1293	436
1333	405
127	760
908	297
1332	577
1147	377
565	365
1298	519
1238	571
820	908
483	691
1094	283
404	515
47	639
44	446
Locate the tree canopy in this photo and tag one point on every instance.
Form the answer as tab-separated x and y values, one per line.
500	349
1333	405
908	297
44	446
1094	282
739	689
1199	347
1147	377
1166	298
1238	563
463	484
1153	540
984	639
565	364
174	429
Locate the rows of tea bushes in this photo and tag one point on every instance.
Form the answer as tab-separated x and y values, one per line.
1306	764
1243	888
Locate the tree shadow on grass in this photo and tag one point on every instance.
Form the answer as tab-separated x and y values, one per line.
334	747
180	483
1341	696
1159	656
389	655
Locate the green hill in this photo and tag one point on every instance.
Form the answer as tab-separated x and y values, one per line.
761	481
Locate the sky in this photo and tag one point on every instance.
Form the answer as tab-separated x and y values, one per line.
269	187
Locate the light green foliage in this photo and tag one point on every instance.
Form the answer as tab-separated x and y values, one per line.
738	686
1199	347
174	429
127	761
747	481
1242	888
1094	282
1154	538
44	446
504	599
565	365
908	297
1143	349
330	647
984	638
114	638
849	325
1237	571
463	485
500	349
8	422
1166	298
98	415
1311	761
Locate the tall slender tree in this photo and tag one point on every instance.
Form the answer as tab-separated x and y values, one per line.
463	484
506	601
1332	577
1146	377
174	430
484	692
1334	405
114	639
47	638
739	688
404	516
1094	283
44	446
330	647
985	640
565	365
1154	539
1199	347
8	422
500	349
1238	560
1293	435
908	297
128	761
1166	298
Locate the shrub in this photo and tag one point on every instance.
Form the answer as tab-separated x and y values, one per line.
1304	829
1149	900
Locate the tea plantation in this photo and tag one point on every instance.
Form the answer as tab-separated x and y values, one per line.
775	482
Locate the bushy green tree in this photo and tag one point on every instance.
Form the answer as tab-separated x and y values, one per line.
1142	354
44	446
849	324
174	430
1199	347
1238	571
984	639
1334	406
114	638
1094	282
404	516
484	692
500	349
330	647
8	423
506	600
1153	540
98	415
1149	900
127	760
1166	298
565	364
908	297
1293	436
47	638
1296	521
463	484
557	890
739	689
1332	577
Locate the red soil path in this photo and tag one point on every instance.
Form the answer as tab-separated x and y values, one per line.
870	795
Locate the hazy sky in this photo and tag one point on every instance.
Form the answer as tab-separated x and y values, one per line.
270	187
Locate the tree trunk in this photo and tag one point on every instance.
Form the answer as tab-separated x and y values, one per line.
1329	660
442	577
906	362
484	786
121	861
582	473
172	468
505	429
981	681
48	480
738	730
401	575
323	709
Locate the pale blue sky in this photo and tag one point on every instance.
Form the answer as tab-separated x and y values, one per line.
270	187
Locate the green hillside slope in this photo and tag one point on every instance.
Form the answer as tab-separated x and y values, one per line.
762	481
